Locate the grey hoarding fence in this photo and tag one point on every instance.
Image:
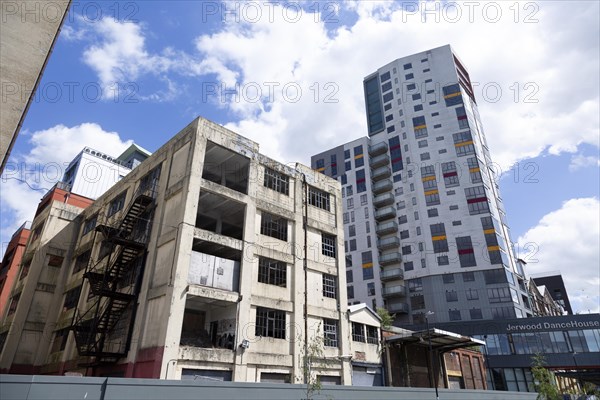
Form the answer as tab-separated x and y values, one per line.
28	387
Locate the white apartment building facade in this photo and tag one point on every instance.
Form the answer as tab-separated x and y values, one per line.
425	226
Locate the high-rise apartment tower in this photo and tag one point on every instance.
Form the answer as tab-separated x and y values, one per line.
424	221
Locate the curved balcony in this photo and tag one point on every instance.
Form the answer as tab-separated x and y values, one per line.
378	148
398	307
387	227
382	186
380	173
390	258
385	213
391	274
384	199
388	243
393	291
379	161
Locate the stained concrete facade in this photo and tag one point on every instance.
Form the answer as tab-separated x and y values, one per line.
28	30
212	214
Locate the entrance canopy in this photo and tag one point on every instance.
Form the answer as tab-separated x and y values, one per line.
440	340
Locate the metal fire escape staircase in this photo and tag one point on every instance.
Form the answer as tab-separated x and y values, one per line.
104	330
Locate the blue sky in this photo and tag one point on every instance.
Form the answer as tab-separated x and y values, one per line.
157	65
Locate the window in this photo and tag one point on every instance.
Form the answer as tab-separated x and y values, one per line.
477	200
320	199
367	265
409	76
451	296
424	156
270	323
117	204
450	174
330	331
105	249
350	291
386	87
346	217
358	332
406	249
89	224
407	66
372	335
466	253
349	203
493	276
274	226
14	302
361	184
363	199
408	266
472	294
432	199
348	192
422	143
385	76
371	289
351	230
359	159
499	295
417	302
349	276
448	278
330	286
388	97
418	107
432	212
403	219
82	261
468	276
475	313
346	154
415	285
71	298
443	260
328	247
404	234
272	272
277	181
454	315
60	340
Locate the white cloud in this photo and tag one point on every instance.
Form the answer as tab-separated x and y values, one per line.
567	240
531	53
51	151
120	55
499	54
580	161
60	143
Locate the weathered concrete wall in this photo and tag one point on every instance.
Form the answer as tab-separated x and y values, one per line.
31	387
27	33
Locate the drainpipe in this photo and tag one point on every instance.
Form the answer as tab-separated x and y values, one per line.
305	228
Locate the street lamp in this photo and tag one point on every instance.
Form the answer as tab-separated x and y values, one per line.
431	380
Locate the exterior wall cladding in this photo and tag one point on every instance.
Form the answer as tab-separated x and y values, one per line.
193	265
425	225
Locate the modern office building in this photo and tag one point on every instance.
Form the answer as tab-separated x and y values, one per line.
207	261
425	225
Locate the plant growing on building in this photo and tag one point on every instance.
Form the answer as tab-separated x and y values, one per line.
544	379
386	318
311	355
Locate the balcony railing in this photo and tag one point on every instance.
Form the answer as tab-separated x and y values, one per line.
393	291
385	213
391	274
397	308
390	258
383	200
381	173
378	148
388	243
387	227
378	161
382	186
